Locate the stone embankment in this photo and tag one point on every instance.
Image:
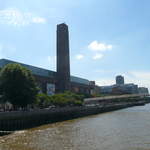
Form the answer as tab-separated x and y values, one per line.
12	121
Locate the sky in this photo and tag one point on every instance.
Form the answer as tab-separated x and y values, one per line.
107	37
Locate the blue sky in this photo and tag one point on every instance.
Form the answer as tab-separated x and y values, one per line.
107	37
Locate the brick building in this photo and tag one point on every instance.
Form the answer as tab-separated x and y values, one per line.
47	79
55	82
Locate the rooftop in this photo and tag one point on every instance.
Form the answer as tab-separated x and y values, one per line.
43	72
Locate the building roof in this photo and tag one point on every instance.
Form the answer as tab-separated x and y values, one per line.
80	80
35	70
43	72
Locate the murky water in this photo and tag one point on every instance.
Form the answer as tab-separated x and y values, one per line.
127	129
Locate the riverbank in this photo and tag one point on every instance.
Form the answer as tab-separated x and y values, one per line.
12	121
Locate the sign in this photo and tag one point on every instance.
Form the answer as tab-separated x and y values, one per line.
50	89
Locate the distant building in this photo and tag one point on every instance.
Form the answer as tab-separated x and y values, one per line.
119	80
95	90
106	89
120	87
129	88
143	90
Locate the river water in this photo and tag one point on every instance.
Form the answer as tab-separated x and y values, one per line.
127	129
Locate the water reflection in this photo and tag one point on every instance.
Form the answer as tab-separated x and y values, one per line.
119	130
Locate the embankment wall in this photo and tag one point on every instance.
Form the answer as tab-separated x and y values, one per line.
12	121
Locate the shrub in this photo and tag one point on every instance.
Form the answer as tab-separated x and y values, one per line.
43	100
59	100
66	99
78	103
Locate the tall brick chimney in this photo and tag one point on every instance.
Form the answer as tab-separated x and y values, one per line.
63	60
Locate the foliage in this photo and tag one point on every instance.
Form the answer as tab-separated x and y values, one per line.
66	98
17	85
2	101
73	96
61	100
78	103
43	100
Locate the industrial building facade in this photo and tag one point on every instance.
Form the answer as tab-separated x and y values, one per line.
51	82
47	79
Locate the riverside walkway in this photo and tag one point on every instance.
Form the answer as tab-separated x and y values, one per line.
115	97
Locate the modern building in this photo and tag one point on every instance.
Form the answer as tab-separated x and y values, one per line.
120	87
119	80
106	89
95	89
129	88
143	90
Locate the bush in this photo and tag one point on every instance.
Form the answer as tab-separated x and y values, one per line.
43	100
66	99
78	103
59	100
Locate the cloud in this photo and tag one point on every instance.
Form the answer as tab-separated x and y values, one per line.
142	78
38	20
98	46
141	74
79	56
98	56
16	17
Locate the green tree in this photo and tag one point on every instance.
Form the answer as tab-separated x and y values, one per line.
43	100
17	85
66	99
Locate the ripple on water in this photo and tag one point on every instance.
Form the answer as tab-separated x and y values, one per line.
119	130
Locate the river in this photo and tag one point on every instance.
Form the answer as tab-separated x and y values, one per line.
127	129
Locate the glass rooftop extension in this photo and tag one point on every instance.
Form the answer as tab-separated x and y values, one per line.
80	80
43	72
35	70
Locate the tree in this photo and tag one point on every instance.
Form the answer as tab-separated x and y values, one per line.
66	99
43	100
17	85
